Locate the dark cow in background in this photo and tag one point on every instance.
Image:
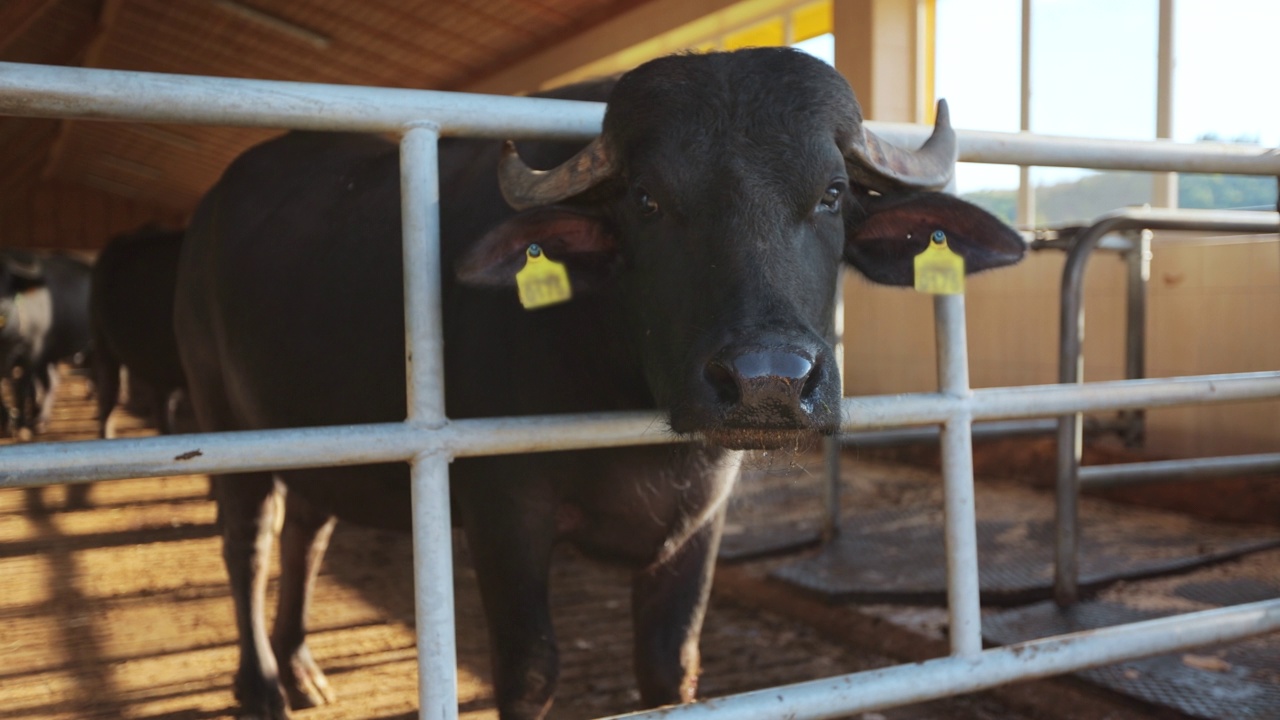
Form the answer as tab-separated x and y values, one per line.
44	320
131	315
702	232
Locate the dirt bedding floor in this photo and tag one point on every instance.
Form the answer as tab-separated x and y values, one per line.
120	610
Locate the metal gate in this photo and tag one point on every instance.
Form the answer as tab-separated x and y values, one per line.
429	441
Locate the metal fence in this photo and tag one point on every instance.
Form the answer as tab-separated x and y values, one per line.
428	440
1070	475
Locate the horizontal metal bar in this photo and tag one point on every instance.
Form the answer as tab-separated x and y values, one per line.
883	411
1161	471
917	682
985	146
88	93
94	94
931	433
988	430
1113	243
257	450
1189	219
1119	244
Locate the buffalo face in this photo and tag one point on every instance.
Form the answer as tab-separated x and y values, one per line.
716	208
730	253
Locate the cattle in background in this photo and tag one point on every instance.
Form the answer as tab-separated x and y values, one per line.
702	232
131	316
44	319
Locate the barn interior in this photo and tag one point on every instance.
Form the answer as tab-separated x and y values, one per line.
119	609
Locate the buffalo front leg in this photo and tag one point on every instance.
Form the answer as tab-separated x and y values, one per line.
668	603
510	530
24	400
48	379
246	515
106	374
303	540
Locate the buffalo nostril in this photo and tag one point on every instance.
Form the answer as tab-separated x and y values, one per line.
754	378
722	380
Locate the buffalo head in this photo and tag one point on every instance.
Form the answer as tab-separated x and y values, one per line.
717	204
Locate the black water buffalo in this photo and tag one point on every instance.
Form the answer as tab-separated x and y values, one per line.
131	315
702	232
44	319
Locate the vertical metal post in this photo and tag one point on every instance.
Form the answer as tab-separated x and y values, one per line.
1026	192
1065	571
424	326
1138	262
963	590
1070	428
433	589
831	446
1164	186
831	500
429	474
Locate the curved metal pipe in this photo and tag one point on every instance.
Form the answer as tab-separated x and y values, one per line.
1071	357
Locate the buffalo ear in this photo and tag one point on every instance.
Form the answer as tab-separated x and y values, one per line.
883	246
583	242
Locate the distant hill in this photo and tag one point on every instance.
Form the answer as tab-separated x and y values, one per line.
1082	200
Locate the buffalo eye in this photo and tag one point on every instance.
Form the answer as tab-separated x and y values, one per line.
648	206
830	201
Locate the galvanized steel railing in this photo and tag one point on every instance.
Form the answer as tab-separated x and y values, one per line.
1070	474
428	440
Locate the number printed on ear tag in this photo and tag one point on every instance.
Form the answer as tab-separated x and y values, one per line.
939	270
542	281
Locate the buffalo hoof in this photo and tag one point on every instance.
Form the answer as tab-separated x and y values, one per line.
260	700
25	435
304	682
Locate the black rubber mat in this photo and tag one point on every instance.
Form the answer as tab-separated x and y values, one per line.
1239	681
778	539
774	511
897	555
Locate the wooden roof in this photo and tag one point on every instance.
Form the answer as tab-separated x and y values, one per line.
435	44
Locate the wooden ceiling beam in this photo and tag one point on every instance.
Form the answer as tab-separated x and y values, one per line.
276	23
646	19
17	16
89	56
108	13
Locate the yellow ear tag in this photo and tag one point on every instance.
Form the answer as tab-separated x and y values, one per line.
939	271
543	281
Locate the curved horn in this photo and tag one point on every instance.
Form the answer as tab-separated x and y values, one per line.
878	162
524	187
32	269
